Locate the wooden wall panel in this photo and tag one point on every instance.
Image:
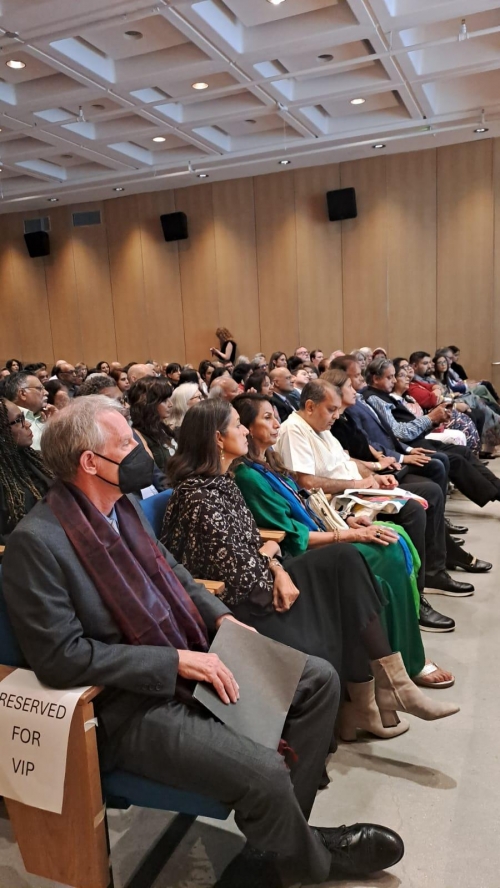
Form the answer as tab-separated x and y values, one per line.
465	252
162	282
364	255
494	372
319	260
198	272
62	294
411	252
30	294
10	336
237	282
127	279
277	262
95	305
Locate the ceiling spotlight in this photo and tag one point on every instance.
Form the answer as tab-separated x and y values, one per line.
358	101
200	85
275	2
202	175
250	120
15	63
53	199
481	129
378	145
463	34
133	35
284	162
99	107
119	188
325	57
159	139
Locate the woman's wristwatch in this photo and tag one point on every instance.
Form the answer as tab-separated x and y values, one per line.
272	560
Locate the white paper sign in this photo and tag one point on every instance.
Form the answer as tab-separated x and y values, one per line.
34	733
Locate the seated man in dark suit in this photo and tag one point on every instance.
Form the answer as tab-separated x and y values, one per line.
282	383
95	599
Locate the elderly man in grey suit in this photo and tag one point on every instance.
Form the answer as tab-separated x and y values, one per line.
95	599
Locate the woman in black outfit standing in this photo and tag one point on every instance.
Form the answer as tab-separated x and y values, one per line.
227	346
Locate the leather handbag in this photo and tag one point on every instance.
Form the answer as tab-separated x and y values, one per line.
325	511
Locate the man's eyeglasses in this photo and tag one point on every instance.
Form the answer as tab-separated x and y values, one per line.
19	420
36	388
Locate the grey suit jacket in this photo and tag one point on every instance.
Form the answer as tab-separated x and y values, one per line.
65	631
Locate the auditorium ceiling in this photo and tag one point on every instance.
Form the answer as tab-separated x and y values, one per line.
100	95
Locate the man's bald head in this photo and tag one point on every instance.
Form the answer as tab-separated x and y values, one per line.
224	387
282	380
138	371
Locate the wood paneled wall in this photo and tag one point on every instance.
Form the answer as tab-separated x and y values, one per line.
418	268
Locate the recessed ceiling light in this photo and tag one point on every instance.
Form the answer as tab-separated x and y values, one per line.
15	63
53	199
276	2
481	129
250	120
119	188
67	156
133	35
159	139
99	107
284	162
378	145
200	85
358	101
202	175
325	57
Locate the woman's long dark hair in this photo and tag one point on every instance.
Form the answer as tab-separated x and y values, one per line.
13	361
247	406
197	451
144	397
274	357
443	377
15	475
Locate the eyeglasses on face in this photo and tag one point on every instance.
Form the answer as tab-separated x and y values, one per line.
19	420
36	388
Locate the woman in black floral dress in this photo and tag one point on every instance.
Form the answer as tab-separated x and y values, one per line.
324	602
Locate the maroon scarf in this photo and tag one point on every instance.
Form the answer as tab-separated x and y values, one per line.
138	587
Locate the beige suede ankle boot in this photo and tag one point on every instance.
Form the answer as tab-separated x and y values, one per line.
394	689
361	712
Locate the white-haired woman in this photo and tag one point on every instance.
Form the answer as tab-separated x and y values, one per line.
184	397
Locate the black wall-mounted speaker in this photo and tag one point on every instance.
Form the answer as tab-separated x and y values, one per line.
175	226
341	204
38	244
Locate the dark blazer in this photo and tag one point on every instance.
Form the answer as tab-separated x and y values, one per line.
283	406
65	631
378	435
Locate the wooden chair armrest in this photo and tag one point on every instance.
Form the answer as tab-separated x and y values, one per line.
215	587
85	698
271	536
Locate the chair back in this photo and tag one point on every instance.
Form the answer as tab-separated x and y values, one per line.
154	508
10	652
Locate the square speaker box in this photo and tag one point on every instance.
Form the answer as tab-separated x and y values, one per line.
341	204
175	226
38	244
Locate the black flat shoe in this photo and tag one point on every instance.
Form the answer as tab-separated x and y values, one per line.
361	849
432	621
476	566
455	528
442	584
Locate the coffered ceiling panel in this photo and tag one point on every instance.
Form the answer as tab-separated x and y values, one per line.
126	94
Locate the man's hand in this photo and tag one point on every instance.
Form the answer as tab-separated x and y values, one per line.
364	483
49	411
208	667
387	482
416	459
284	592
439	414
388	462
218	622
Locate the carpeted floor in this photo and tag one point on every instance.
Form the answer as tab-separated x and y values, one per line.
438	785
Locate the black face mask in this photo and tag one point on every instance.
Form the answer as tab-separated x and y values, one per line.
134	472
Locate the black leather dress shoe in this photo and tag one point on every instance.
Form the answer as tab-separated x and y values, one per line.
474	566
361	849
432	621
455	528
442	584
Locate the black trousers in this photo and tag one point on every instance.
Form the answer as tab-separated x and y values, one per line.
426	528
467	472
189	749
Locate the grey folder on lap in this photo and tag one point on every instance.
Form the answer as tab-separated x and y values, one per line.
267	673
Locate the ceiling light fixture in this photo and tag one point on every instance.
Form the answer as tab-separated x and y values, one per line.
325	57
202	175
119	188
53	199
284	162
15	63
358	101
275	2
481	129
159	139
250	120
463	34
133	35
98	107
378	145
200	85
